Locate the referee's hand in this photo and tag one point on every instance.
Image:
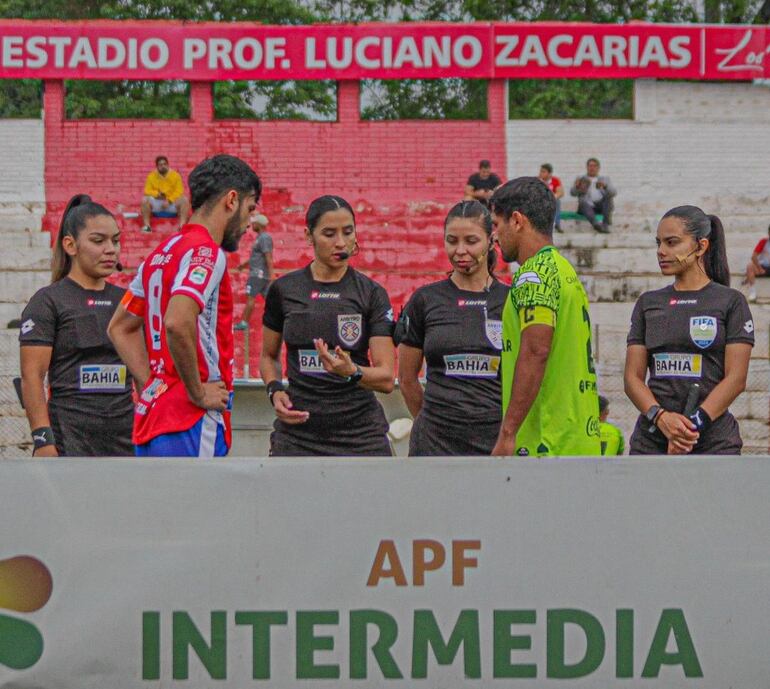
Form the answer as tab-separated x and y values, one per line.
285	411
679	431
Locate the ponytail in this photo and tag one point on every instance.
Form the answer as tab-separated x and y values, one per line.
79	209
702	226
475	210
715	259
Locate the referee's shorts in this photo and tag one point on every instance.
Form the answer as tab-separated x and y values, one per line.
205	439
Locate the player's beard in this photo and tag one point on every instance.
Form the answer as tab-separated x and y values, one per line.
233	233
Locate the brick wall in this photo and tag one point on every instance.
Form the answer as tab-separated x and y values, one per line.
380	162
701	143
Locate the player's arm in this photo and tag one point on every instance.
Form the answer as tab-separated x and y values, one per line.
737	356
536	340
469	192
35	361
127	335
677	428
409	365
269	265
559	191
270	371
150	188
181	325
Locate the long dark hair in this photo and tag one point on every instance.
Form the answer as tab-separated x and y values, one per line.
476	211
79	209
324	204
702	226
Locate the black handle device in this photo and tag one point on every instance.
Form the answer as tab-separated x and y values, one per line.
693	395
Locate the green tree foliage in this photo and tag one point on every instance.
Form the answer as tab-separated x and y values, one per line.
270	100
535	99
20	98
424	99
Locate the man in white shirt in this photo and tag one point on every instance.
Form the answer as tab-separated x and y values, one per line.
595	194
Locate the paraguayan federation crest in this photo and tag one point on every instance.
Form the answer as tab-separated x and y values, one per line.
703	330
349	328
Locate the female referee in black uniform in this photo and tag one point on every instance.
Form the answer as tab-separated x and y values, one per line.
455	326
64	334
337	325
694	338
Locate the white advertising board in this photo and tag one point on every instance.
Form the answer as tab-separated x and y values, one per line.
371	573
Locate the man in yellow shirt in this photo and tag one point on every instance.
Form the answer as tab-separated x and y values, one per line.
164	193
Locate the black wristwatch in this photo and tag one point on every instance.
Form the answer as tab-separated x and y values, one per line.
356	376
651	415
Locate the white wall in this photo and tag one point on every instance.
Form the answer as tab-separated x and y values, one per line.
701	143
21	163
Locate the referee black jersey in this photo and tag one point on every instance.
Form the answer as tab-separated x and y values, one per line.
460	335
88	381
685	334
343	415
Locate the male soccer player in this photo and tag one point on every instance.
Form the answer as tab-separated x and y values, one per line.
611	436
550	403
182	362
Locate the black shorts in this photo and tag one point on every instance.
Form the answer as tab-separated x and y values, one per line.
360	434
430	438
82	434
723	437
255	286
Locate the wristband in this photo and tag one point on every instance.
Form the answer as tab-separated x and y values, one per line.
43	436
272	387
700	419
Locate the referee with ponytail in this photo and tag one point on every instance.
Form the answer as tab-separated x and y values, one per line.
455	327
89	411
689	345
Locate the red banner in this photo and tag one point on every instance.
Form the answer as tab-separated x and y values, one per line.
210	52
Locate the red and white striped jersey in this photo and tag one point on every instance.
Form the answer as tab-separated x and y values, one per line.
189	263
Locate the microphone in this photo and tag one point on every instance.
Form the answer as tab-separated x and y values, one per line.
343	255
119	267
684	257
692	400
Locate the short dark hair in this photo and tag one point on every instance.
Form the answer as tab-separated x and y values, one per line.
485	163
324	204
215	176
547	166
159	158
595	160
531	197
603	404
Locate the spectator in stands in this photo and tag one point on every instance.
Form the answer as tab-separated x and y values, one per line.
554	184
260	265
759	265
481	184
164	193
610	435
595	195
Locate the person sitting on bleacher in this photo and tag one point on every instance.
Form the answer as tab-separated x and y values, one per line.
595	194
164	195
759	265
554	184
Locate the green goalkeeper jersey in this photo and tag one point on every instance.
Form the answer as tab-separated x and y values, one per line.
564	419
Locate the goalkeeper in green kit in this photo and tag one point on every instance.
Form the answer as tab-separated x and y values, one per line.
550	402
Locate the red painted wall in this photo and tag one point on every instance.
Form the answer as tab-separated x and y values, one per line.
401	177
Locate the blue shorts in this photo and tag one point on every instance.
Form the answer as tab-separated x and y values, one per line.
205	439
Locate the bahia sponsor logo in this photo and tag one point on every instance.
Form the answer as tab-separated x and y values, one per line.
25	586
